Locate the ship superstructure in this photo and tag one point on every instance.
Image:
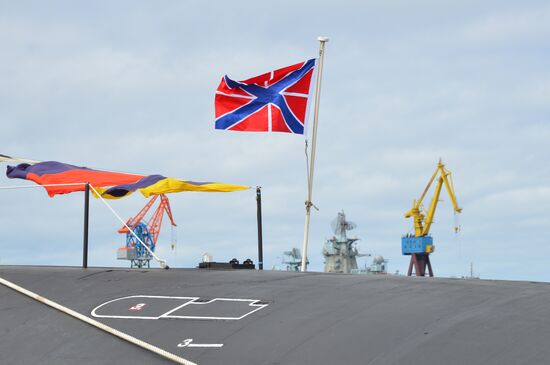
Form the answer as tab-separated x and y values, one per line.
341	252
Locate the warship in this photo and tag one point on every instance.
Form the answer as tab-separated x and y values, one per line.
267	317
341	252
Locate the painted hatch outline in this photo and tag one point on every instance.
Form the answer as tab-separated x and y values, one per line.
258	304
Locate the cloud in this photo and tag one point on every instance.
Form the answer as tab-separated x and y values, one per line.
129	86
511	26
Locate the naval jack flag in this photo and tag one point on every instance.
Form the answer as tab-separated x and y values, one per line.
276	101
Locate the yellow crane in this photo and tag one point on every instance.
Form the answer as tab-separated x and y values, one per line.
420	245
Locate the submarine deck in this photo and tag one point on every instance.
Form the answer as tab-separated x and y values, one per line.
271	317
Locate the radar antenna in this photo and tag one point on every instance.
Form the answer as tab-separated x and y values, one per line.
340	225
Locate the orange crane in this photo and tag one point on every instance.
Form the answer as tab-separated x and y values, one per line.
147	231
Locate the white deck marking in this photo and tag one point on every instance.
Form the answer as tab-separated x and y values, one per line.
94	314
253	303
188	343
97	324
137	307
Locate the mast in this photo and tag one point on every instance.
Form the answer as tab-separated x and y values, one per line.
322	41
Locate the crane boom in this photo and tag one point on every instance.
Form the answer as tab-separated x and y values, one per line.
422	223
133	221
156	222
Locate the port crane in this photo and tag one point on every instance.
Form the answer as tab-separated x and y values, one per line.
420	245
147	231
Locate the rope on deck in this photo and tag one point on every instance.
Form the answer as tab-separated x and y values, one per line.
99	325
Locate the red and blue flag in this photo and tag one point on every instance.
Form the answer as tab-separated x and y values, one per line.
273	102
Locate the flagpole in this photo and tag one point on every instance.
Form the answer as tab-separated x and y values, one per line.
86	220
260	235
309	204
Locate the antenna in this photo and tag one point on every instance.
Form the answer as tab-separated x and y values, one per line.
340	225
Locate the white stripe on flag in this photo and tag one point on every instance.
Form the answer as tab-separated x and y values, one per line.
235	95
269	125
295	94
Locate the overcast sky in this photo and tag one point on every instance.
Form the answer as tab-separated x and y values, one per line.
129	86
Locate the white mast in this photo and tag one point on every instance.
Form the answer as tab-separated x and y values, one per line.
322	41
